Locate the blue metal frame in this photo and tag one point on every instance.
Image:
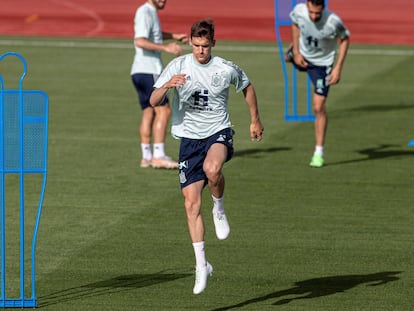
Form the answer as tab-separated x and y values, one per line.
290	89
24	166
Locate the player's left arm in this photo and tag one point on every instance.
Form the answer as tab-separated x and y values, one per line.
335	75
256	126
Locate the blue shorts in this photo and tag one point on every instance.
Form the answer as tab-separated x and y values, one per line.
319	77
144	85
193	153
317	74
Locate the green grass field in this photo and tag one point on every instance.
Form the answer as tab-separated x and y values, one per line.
113	236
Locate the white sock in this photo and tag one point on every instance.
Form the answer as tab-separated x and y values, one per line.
318	150
159	150
146	151
218	206
200	255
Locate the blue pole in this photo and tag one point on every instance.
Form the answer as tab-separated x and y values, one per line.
3	192
39	211
279	23
21	113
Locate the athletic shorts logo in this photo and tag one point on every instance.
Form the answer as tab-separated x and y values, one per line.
221	137
182	176
319	83
183	164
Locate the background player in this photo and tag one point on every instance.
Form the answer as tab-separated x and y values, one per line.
316	32
146	67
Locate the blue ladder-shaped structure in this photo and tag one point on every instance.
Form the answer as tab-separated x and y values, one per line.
23	150
282	19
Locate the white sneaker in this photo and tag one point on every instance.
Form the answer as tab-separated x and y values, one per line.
145	163
201	278
222	225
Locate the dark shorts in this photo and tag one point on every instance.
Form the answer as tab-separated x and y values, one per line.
193	153
317	74
144	85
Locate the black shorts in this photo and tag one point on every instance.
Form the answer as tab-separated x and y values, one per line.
319	77
144	85
317	74
193	153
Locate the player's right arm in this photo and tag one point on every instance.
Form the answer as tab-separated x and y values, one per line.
297	57
158	94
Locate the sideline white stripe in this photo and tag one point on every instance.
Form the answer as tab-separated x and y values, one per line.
242	49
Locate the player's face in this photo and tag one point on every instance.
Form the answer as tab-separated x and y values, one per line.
315	11
202	49
158	4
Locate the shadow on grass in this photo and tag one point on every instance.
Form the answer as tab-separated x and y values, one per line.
377	153
109	287
382	108
319	287
247	152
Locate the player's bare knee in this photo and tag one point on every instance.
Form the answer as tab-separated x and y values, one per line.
213	173
319	108
192	208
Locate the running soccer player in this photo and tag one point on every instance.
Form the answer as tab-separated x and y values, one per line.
316	32
201	83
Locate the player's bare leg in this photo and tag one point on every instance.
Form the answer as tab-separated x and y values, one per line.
192	202
212	167
145	136
321	123
159	129
162	115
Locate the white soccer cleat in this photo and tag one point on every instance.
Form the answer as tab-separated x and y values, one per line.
201	278
222	226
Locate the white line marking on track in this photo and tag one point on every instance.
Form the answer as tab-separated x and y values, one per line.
88	12
224	48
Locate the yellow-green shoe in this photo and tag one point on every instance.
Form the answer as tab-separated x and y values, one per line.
317	161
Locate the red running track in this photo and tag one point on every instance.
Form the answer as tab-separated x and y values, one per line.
370	21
